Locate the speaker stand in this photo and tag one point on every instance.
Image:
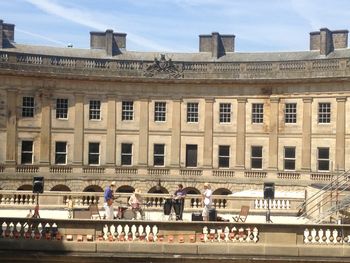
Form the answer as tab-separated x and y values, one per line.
268	214
36	209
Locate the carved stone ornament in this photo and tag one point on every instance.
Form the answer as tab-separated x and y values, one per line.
163	68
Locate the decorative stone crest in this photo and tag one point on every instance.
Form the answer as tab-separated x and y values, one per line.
163	68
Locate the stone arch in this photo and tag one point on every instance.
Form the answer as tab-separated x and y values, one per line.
61	188
192	190
125	189
93	188
158	189
92	185
222	191
25	187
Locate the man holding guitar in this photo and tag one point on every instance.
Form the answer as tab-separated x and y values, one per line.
178	201
109	198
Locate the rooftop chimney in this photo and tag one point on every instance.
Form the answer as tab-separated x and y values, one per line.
326	41
7	34
111	42
217	44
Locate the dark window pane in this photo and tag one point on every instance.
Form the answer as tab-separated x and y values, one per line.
94	147
158	160
126	148
224	150
27	146
126	159
224	161
323	153
289	164
60	159
256	151
93	159
257	163
26	158
289	152
191	155
60	146
323	165
159	149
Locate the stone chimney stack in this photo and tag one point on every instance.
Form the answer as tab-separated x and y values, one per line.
112	43
217	44
326	41
7	34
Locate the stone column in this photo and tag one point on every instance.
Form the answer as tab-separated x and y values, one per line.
208	133
241	129
79	130
143	135
340	135
175	133
306	137
273	134
11	135
45	131
111	127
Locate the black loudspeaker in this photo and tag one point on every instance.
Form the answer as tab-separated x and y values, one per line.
212	214
269	191
197	216
38	185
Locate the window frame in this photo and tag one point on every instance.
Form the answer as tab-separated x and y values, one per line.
28	106
127	110
188	161
27	152
61	108
225	112
95	110
323	160
91	154
257	113
192	115
290	114
160	111
224	157
126	154
324	113
160	156
61	153
256	158
289	159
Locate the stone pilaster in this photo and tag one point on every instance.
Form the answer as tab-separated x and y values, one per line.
241	130
79	130
306	137
45	131
11	136
143	135
111	129
273	134
175	133
340	135
208	133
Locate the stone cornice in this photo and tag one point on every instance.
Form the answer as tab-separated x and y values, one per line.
211	71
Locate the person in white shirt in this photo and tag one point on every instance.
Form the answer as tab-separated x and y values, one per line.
207	201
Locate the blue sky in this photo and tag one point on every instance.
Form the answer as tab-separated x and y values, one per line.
174	25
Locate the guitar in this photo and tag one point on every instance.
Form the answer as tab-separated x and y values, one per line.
111	201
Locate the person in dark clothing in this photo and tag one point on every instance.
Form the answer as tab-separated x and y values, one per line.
179	201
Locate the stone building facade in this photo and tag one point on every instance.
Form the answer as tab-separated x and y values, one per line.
82	118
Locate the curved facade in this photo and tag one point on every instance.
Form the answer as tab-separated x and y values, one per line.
82	118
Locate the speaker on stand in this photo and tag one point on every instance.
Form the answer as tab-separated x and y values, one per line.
38	188
269	194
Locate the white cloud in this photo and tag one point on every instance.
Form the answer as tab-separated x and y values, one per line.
90	19
42	37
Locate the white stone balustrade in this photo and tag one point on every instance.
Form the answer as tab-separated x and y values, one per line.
325	236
